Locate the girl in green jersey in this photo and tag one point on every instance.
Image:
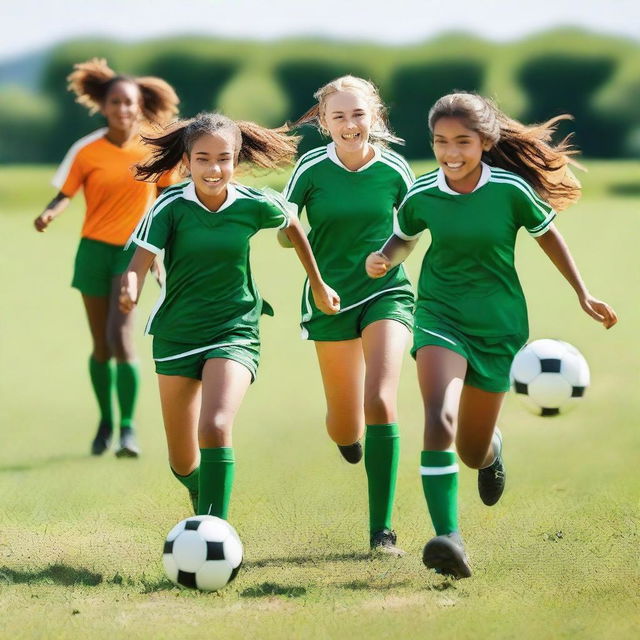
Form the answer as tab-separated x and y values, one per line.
349	190
205	325
495	176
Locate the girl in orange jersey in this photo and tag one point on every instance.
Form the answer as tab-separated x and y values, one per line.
101	164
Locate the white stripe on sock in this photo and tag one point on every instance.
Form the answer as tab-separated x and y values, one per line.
439	471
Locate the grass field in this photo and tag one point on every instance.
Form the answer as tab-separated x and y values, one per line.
81	538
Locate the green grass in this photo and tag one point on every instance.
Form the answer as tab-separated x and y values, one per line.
80	538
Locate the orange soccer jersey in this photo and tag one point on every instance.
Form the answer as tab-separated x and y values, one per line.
115	199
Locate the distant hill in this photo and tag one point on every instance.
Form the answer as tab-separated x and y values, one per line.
24	71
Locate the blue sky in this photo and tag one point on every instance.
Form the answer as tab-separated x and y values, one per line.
27	25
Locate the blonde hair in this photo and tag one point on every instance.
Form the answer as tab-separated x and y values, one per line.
524	149
257	145
91	81
380	131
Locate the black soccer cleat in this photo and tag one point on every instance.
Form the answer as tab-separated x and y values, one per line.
446	555
384	541
102	441
352	453
128	445
492	479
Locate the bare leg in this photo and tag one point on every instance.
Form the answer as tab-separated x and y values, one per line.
97	308
120	327
342	369
476	423
440	371
224	385
180	398
383	344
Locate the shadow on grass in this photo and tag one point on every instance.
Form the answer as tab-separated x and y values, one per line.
367	585
625	189
55	574
42	463
273	589
306	560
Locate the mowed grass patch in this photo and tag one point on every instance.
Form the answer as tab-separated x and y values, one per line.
81	538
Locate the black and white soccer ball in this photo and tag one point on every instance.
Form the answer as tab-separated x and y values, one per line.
202	552
549	376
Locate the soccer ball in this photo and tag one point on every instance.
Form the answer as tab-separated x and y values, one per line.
549	376
202	552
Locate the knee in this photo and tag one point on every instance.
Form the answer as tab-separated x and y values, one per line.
121	345
378	408
472	459
215	430
439	427
344	432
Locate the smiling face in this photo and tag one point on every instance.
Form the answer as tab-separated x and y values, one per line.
211	163
122	106
458	151
347	116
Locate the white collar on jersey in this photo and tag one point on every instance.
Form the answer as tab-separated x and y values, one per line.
484	178
331	152
189	193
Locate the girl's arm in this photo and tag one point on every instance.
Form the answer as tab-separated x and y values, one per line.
283	239
395	251
553	244
133	278
326	299
53	210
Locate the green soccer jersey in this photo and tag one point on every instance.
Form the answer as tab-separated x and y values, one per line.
209	286
468	277
350	214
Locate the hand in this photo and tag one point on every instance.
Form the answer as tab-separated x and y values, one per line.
43	221
128	291
377	264
598	310
326	299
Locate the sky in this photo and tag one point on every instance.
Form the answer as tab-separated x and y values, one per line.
29	25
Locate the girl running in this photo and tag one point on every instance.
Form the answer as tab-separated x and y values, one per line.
349	190
101	164
496	175
205	325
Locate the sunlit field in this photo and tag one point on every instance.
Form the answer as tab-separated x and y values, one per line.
81	537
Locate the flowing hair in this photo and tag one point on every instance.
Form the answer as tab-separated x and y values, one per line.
254	144
91	81
380	131
527	150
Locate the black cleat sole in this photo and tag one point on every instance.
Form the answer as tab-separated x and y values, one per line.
446	557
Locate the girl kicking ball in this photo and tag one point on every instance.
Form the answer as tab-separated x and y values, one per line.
205	326
495	175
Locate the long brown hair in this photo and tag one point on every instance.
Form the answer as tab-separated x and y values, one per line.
254	144
380	131
527	150
92	80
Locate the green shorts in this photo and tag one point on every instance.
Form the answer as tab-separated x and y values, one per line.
178	359
488	358
349	324
97	263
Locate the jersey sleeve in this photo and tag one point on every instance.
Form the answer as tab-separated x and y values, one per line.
297	189
533	213
154	229
407	223
276	212
405	179
70	178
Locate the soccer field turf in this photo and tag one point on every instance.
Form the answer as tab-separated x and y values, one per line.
81	538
